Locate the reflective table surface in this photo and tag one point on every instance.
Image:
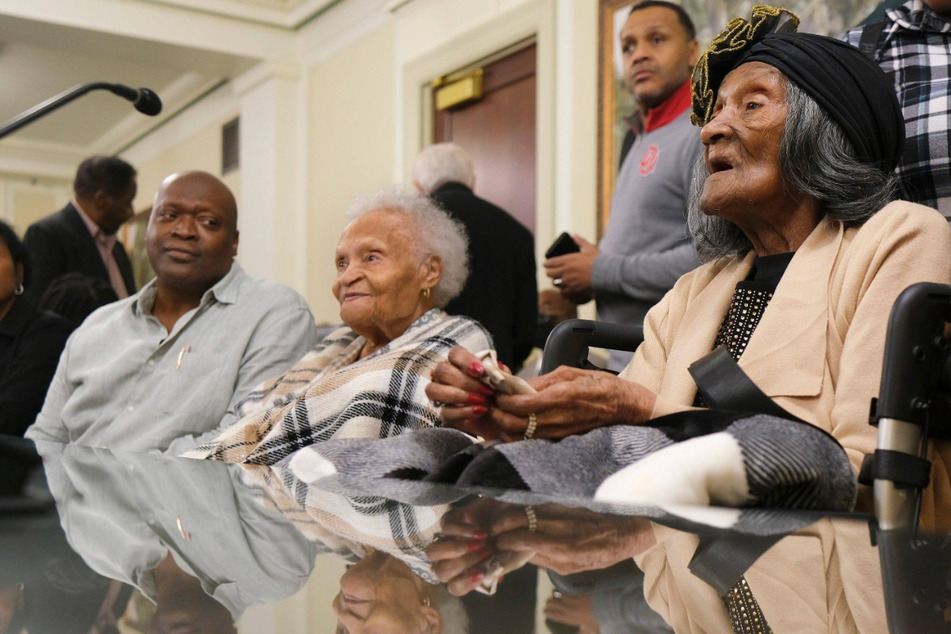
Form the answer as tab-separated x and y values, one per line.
93	540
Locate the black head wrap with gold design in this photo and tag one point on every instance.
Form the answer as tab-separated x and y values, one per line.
845	82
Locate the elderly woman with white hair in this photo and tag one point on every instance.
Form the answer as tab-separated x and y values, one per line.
399	261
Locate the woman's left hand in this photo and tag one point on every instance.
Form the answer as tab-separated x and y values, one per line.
572	401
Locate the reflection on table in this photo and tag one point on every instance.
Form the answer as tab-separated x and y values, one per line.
206	542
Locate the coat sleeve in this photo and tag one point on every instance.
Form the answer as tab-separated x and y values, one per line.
902	249
46	259
24	387
650	360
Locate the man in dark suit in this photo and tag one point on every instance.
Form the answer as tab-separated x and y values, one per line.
81	237
501	291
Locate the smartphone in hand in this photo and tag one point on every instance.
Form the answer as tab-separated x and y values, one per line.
563	245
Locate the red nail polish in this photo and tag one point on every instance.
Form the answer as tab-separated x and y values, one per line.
479	410
475	544
476	368
475	399
485	390
479	534
476	576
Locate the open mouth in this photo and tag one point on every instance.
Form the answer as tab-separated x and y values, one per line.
719	165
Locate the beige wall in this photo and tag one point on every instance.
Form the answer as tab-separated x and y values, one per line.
350	149
201	151
23	201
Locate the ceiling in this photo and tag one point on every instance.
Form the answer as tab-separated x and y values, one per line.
285	13
181	49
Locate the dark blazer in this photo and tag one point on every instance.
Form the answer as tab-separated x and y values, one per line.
60	244
501	292
31	341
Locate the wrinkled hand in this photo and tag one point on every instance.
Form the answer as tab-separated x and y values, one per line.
574	270
574	610
566	540
570	540
571	401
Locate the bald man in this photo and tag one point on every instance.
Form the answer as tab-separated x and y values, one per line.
166	367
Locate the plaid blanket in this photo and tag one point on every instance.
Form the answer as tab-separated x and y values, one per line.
332	393
349	527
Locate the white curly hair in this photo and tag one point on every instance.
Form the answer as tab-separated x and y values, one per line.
443	163
435	232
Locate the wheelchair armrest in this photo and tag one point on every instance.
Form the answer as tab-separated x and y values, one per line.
569	341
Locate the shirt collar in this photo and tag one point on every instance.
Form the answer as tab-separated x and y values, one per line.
669	109
916	16
225	291
94	230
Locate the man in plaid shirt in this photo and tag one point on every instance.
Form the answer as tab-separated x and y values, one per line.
913	46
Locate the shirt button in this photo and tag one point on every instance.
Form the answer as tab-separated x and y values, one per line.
131	408
151	361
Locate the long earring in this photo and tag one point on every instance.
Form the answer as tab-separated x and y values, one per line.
19	289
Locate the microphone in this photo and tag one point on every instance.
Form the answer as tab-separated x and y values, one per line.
143	99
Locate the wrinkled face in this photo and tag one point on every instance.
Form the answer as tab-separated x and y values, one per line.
192	236
657	55
742	143
116	210
381	594
11	276
380	278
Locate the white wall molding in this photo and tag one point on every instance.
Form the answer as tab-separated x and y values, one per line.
270	16
265	71
160	23
272	218
40	158
340	27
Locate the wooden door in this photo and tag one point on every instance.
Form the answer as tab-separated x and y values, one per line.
499	132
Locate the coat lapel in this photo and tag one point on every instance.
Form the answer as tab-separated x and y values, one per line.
702	315
786	355
86	250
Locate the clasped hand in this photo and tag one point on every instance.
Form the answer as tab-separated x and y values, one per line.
568	401
566	540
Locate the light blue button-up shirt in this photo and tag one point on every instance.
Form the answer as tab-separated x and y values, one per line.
125	382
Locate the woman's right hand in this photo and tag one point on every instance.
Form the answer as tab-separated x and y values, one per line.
464	400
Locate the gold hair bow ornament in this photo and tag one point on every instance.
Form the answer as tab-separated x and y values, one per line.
725	51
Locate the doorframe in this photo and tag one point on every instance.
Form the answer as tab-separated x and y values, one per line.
535	19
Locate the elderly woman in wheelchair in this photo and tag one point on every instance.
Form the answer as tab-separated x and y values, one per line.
805	253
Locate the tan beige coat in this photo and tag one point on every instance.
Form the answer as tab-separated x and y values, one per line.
818	353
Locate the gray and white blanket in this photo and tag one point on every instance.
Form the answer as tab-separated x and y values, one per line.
693	459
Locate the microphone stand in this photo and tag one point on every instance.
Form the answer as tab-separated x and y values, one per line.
53	103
